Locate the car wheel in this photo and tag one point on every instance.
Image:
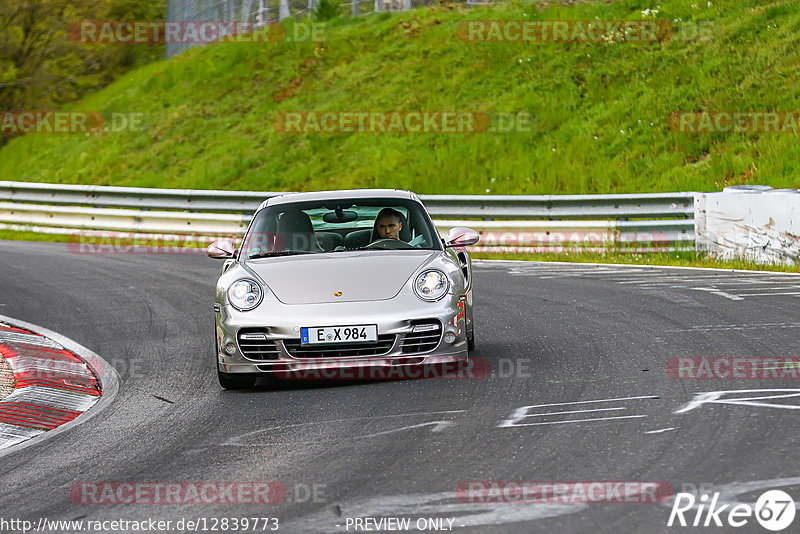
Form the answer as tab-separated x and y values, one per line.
236	381
470	331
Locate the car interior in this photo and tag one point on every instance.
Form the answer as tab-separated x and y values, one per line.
294	229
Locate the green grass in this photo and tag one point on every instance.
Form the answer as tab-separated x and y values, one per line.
14	235
601	109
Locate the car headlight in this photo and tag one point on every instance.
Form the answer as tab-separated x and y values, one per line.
244	294
431	285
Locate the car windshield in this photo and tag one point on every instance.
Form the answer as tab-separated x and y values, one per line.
332	226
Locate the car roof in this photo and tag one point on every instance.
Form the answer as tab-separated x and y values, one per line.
336	194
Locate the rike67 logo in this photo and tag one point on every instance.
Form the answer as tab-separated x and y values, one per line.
774	510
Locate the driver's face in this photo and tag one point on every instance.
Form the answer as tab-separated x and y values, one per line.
389	227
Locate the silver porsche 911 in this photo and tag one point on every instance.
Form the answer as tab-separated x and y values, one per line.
342	279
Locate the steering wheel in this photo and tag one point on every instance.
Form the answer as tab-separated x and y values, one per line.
389	244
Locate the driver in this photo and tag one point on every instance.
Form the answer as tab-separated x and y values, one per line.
388	224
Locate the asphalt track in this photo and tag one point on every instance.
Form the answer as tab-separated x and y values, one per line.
554	334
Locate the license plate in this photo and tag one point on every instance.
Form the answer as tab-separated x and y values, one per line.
338	334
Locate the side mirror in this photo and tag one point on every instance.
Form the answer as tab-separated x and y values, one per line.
461	237
221	249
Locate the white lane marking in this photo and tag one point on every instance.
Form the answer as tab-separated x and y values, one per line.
590	401
726	278
234	441
780	288
633	265
578	270
709	327
716	397
627	281
621	276
677	282
768	294
523	412
581	420
647	282
570	273
752	281
717	292
660	430
575	411
438	426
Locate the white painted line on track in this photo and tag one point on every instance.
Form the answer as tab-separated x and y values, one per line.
768	294
523	412
634	265
716	282
780	288
659	431
575	411
753	326
581	420
234	441
718	292
590	401
647	281
719	397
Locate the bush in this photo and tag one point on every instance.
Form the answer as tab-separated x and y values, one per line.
326	10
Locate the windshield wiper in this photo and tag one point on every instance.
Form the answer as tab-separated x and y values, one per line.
278	253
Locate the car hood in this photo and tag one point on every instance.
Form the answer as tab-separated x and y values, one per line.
358	275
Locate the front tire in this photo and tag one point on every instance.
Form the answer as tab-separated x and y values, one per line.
470	331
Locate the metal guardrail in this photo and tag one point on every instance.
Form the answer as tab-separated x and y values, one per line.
532	222
550	207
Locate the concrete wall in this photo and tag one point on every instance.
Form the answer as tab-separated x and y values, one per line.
751	222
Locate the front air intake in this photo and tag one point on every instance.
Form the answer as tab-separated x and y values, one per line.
424	336
255	344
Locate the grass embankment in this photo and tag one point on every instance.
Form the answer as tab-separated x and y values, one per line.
601	109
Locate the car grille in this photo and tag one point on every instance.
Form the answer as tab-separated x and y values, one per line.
254	344
427	339
340	350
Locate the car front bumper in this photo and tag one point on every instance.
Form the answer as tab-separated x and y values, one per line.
281	324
